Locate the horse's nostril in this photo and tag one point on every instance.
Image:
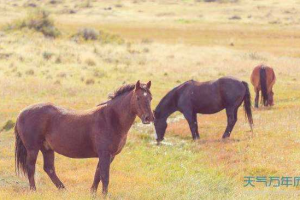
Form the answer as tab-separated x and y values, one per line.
147	118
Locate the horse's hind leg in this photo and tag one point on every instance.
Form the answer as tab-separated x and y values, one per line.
256	98
49	168
30	163
97	179
191	117
231	120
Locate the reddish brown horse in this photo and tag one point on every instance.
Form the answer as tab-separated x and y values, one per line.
263	78
97	133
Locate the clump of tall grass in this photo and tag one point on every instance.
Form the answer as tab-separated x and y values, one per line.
88	34
256	56
90	62
8	125
30	72
47	55
90	81
39	20
218	1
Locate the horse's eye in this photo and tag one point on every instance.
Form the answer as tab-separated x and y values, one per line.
138	98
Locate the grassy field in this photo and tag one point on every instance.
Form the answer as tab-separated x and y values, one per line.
167	42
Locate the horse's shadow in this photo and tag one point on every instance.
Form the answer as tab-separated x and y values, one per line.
212	141
264	108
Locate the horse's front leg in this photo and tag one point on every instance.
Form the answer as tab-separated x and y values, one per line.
256	98
191	117
102	172
105	160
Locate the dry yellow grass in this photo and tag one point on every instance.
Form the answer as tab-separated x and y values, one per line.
167	42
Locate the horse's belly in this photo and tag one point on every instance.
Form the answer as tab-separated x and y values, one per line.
210	107
209	111
70	148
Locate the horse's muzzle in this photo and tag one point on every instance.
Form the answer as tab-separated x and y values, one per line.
147	119
146	122
158	141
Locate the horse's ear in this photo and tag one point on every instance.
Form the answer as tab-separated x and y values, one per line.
149	85
138	85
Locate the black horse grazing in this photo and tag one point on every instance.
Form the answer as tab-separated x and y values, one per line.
210	97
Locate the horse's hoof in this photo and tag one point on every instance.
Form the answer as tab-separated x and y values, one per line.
105	195
62	187
93	191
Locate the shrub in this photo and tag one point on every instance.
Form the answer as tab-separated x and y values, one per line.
88	34
88	4
108	38
47	55
93	34
8	125
57	82
90	62
235	17
256	56
58	60
30	72
90	81
39	21
218	1
98	73
146	41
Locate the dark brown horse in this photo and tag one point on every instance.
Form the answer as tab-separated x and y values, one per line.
194	97
263	78
97	133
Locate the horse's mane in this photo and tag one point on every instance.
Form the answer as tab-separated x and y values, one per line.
169	97
122	90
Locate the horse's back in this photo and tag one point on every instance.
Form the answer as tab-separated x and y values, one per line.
37	112
213	96
271	78
255	76
231	90
32	122
67	132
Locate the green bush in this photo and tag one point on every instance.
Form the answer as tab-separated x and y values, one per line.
8	125
108	38
93	34
88	34
47	55
39	21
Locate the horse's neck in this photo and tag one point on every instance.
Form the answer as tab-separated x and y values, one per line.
122	108
166	109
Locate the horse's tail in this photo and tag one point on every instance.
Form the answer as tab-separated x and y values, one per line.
263	84
247	105
20	155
